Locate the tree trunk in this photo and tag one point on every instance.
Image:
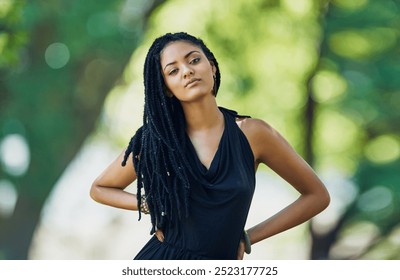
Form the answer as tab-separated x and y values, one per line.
58	109
320	243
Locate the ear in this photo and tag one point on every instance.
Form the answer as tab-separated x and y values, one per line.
213	68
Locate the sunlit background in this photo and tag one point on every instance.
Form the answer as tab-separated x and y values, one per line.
323	73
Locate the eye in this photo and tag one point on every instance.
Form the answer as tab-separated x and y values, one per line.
195	60
173	71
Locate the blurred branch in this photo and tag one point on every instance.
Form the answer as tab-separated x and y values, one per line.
58	106
310	107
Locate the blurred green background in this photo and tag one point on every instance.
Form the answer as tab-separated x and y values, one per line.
326	74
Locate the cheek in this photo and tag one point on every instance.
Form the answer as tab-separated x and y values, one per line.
173	84
210	78
208	72
169	82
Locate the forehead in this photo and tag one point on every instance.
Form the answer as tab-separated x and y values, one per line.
176	50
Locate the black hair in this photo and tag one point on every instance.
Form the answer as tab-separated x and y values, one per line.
157	147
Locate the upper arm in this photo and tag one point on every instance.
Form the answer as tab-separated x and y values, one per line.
271	149
116	175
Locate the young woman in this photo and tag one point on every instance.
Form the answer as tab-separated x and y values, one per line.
195	162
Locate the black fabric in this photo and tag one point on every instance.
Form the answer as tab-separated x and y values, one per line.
220	199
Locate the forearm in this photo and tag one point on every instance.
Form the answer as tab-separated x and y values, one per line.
303	209
114	197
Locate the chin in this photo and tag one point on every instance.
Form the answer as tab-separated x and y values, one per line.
199	94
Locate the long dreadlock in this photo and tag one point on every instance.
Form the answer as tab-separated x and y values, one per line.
157	147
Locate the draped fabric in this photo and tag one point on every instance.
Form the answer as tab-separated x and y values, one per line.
219	202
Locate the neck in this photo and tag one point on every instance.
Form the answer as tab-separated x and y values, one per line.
202	115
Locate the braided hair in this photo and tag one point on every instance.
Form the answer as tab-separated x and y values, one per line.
157	147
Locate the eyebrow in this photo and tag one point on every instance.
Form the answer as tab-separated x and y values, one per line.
186	56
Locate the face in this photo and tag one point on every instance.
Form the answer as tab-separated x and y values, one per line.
187	72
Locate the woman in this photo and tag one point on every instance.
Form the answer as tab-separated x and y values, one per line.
196	162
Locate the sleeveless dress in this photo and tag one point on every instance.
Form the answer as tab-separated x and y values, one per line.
219	203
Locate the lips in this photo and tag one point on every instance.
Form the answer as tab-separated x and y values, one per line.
191	81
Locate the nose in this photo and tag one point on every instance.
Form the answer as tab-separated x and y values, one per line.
187	71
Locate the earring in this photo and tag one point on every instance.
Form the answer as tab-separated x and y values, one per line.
215	86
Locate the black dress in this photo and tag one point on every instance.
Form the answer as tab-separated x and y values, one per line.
219	203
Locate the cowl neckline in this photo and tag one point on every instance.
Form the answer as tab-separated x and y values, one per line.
216	170
201	168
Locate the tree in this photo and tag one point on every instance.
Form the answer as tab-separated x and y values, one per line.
359	50
323	73
52	95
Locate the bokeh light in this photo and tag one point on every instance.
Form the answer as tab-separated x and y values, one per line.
375	199
14	154
8	198
383	149
363	43
328	86
57	55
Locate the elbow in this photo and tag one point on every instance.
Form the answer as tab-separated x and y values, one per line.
327	200
95	192
324	199
319	200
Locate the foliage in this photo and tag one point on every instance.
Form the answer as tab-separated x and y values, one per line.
324	74
347	53
12	34
357	90
53	87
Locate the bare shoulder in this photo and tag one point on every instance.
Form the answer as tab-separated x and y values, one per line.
259	133
256	128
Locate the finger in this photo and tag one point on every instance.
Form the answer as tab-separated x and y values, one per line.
240	253
160	235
